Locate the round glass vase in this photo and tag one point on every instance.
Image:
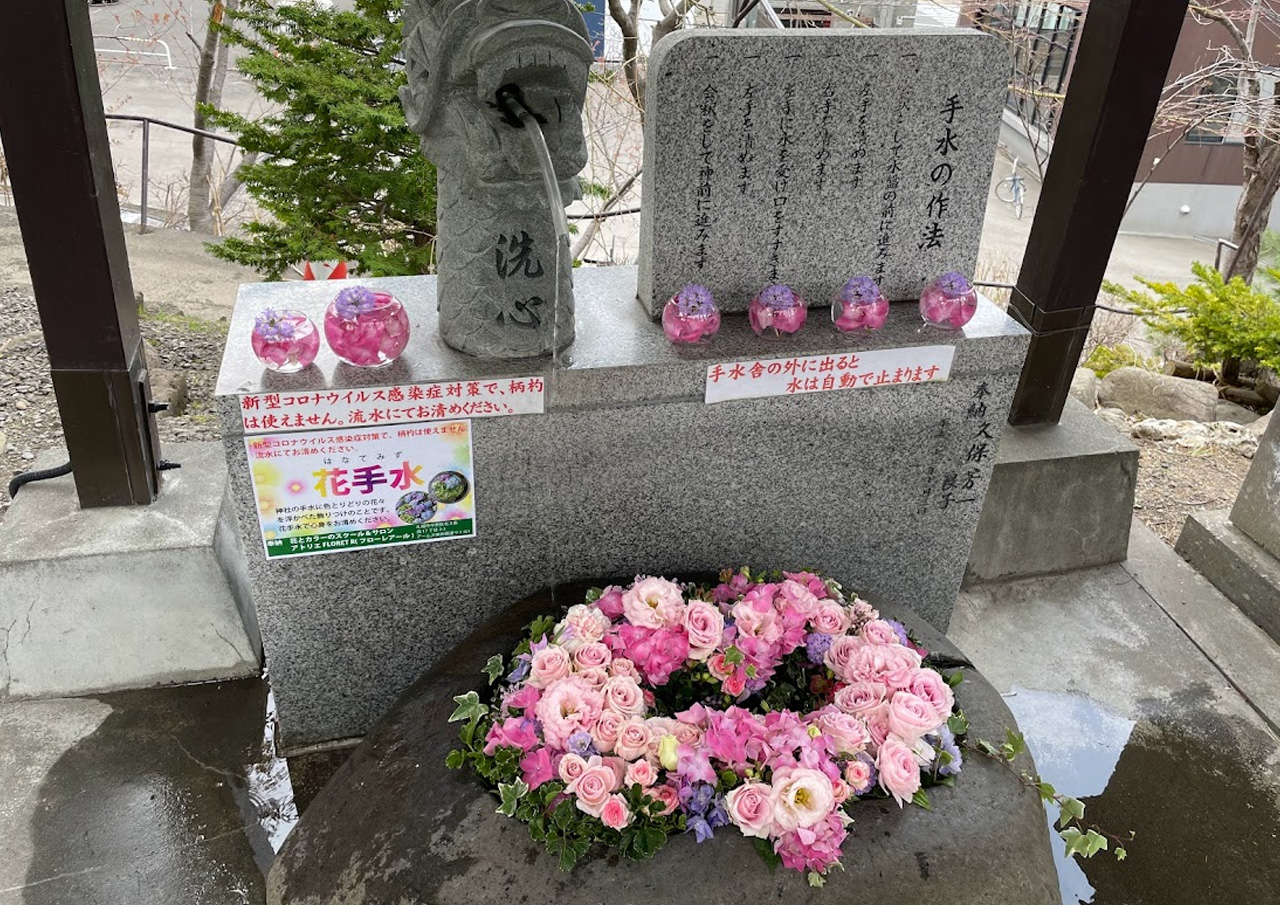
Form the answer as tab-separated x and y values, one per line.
778	308
285	341
365	328
949	302
860	307
691	315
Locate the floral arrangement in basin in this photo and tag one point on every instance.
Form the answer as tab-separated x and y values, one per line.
778	308
366	328
284	341
691	315
764	706
860	306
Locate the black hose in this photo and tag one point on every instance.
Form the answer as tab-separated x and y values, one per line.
41	475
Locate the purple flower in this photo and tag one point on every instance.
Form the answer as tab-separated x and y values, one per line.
697	797
860	289
270	328
700	828
900	630
695	301
946	744
815	646
954	284
354	301
779	297
520	672
717	816
581	745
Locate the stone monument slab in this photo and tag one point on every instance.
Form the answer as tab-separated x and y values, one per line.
864	151
1257	508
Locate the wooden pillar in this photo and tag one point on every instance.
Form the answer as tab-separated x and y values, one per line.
55	144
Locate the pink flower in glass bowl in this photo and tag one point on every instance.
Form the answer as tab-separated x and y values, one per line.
365	328
860	306
691	315
779	308
285	341
949	302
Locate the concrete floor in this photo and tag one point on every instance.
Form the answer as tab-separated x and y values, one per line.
1138	686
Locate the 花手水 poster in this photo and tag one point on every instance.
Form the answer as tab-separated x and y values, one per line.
331	491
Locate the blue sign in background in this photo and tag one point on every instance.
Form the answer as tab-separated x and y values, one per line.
595	29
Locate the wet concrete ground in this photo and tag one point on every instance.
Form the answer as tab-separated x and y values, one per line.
1139	688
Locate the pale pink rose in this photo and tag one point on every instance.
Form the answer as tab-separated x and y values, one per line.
640	772
847	733
841	790
568	705
615	814
687	734
548	665
592	655
719	667
932	687
623	694
830	618
877	631
592	788
654	603
750	808
665	798
857	773
572	766
596	677
605	732
619	768
891	664
801	797
584	625
877	720
633	739
621	666
842	653
659	727
911	716
860	697
794	596
704	624
899	773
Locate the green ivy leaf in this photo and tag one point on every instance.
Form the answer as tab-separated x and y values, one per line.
920	799
541	627
1069	808
955	679
958	724
1120	853
511	793
733	656
455	760
816	880
493	668
469	707
1094	843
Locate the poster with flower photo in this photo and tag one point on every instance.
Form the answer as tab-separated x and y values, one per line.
334	491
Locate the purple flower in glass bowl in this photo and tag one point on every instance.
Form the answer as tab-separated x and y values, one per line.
691	315
284	341
949	302
365	328
779	308
860	306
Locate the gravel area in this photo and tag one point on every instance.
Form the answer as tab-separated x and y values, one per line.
1174	481
29	421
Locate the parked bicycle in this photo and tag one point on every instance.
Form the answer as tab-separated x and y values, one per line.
1012	190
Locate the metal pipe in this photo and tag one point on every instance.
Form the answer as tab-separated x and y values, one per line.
146	163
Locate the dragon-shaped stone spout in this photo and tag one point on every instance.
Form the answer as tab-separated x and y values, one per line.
501	293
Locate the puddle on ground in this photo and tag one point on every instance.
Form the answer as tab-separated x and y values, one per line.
266	799
1198	787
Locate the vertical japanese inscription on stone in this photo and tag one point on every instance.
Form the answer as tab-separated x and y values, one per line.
822	156
782	177
514	260
747	152
947	144
703	220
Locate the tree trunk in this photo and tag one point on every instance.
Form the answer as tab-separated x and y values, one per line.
211	75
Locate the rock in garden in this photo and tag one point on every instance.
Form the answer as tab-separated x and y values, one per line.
1115	418
1084	386
1257	428
1141	392
1268	386
1243	396
1237	414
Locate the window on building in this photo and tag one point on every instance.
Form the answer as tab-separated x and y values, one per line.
1214	102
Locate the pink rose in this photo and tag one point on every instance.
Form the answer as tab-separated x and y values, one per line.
592	655
858	774
633	739
719	667
605	732
535	767
593	788
878	631
847	733
568	705
665	798
615	814
841	654
610	602
797	598
549	664
899	773
654	603
736	683
877	720
641	773
860	697
830	618
596	677
911	716
623	694
932	687
891	664
687	733
583	625
704	625
842	791
621	666
750	808
572	766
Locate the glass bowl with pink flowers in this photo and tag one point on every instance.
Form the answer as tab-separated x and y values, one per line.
284	341
691	315
860	306
949	302
778	308
365	328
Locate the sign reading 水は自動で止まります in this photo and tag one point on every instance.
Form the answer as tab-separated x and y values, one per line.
333	491
401	404
758	378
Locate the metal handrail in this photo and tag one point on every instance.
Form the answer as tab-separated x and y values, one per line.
146	150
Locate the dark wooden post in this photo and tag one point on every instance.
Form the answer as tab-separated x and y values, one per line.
55	144
1125	51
